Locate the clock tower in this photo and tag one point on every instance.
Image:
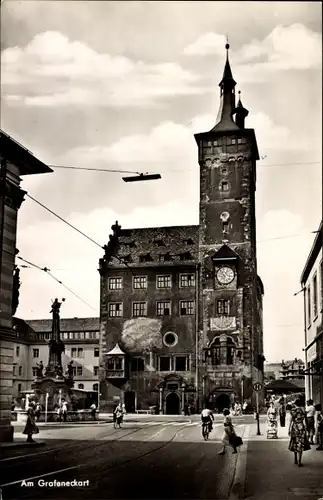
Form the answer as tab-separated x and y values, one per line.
230	291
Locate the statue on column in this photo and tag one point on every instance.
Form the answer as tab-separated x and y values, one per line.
56	346
69	370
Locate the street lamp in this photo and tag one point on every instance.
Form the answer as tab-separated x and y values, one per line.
142	177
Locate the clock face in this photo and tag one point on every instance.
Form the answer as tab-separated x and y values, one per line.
225	275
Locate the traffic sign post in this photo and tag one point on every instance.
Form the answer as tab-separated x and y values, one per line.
257	386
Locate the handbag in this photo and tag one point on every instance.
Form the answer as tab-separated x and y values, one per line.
237	441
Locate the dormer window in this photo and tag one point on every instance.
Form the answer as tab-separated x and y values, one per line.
189	241
159	243
186	256
224	186
145	258
167	257
127	258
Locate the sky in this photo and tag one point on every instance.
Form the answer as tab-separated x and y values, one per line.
124	86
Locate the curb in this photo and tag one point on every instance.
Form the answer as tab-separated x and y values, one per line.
238	486
23	444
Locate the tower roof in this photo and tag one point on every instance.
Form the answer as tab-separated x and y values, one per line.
224	121
227	73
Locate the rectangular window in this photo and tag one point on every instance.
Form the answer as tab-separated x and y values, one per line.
95	371
14	370
215	143
309	305
19	387
163	308
82	335
35	353
315	296
164	364
180	363
115	310
20	371
233	141
164	281
187	307
65	335
79	371
239	140
80	352
35	371
139	282
96	352
223	307
115	283
209	143
139	309
77	352
17	351
187	280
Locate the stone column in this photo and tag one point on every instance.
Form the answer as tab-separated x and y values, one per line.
161	409
11	197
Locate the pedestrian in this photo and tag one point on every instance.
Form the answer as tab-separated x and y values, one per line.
31	427
282	413
319	427
310	420
229	435
64	410
118	416
297	432
272	422
37	411
93	410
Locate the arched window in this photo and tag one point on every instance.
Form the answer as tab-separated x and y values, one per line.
80	386
222	351
95	387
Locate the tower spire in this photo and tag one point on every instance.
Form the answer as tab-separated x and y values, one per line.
224	119
240	112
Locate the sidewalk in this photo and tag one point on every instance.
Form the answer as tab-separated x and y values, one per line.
271	473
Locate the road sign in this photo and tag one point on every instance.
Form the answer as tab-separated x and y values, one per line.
257	386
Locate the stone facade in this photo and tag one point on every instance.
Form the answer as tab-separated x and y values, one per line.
15	161
223	335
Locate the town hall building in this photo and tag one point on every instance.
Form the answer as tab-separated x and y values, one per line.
181	307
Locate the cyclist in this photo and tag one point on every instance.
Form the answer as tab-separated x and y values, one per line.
207	417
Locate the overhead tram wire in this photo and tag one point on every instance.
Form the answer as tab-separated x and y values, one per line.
47	271
174	170
78	230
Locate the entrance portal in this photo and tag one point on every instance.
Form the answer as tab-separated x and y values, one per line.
129	401
172	404
222	402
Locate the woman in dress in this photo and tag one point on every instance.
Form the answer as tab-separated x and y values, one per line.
297	432
31	427
229	433
272	422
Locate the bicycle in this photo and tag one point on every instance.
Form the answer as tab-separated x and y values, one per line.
205	430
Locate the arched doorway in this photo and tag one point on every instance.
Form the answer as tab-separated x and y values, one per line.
222	401
172	404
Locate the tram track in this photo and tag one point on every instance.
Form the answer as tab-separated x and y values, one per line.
97	462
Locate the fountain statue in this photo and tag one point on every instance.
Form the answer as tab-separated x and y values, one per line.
53	382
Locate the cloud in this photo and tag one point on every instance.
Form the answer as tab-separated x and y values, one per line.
52	70
293	47
207	44
74	260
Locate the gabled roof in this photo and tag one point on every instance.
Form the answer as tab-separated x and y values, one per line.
316	248
225	252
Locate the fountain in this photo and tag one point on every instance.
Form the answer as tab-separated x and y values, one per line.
50	388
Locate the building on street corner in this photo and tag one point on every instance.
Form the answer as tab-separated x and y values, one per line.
312	287
181	307
16	161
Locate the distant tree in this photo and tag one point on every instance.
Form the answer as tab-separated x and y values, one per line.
15	290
